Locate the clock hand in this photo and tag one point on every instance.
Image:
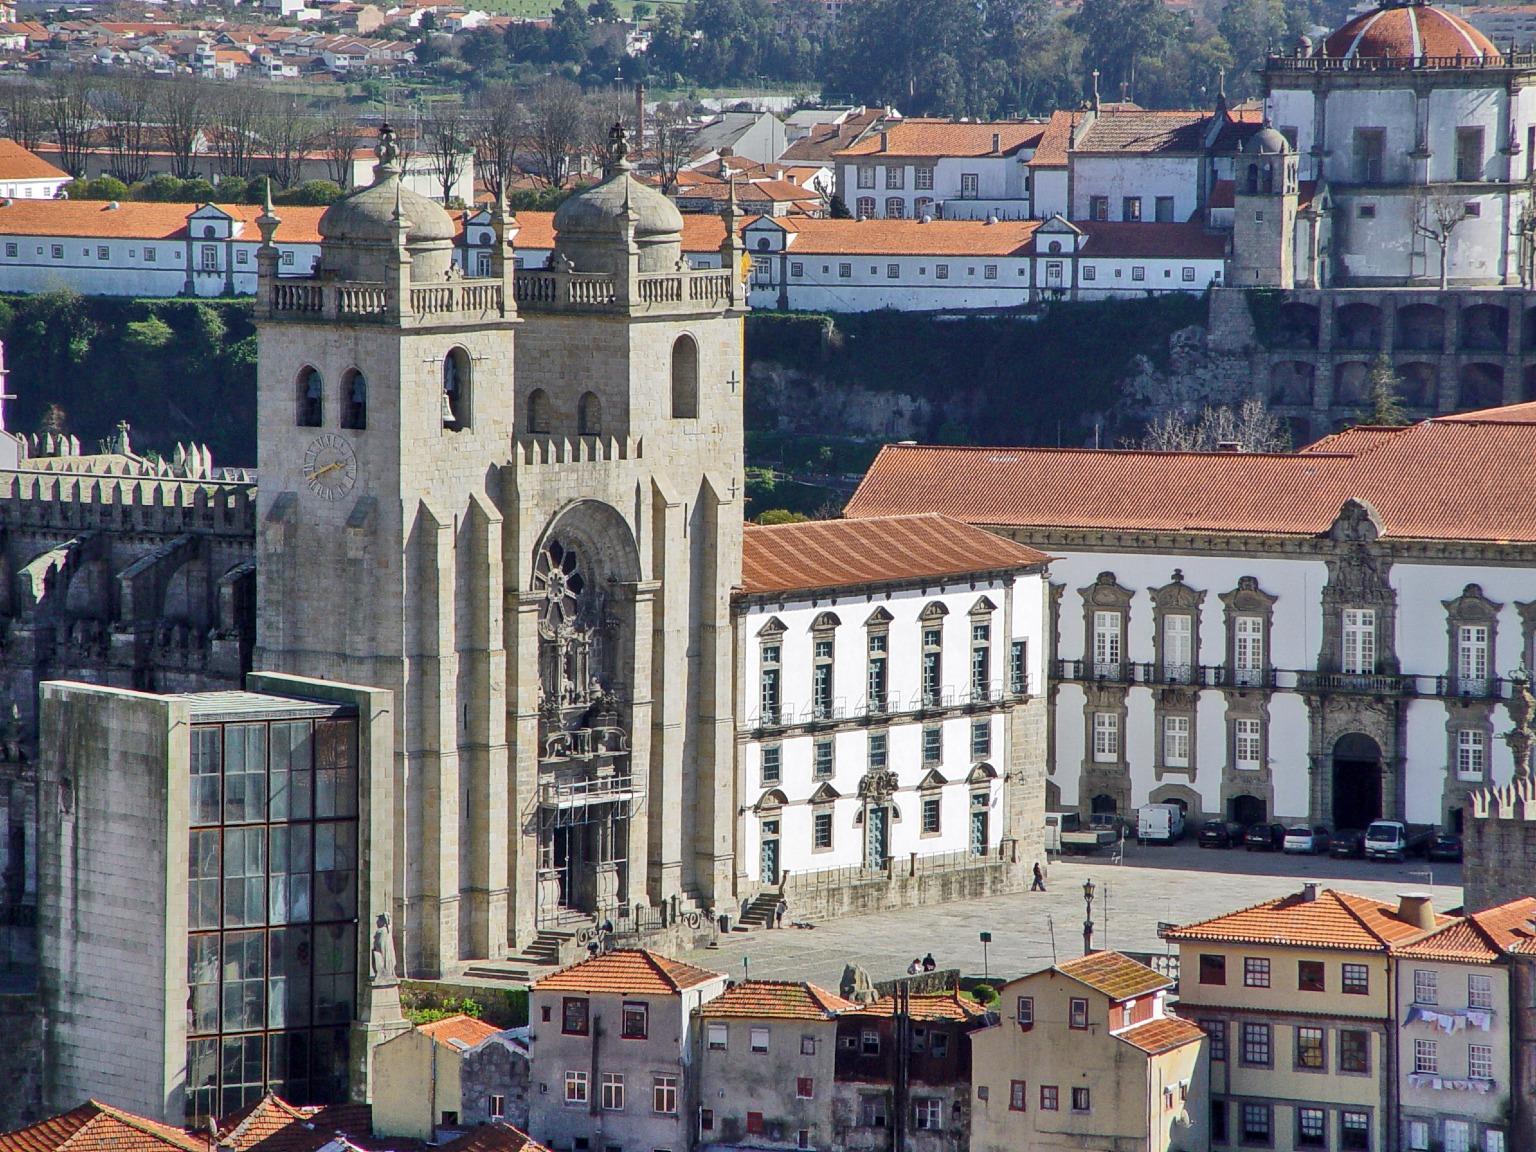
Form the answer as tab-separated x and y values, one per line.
319	472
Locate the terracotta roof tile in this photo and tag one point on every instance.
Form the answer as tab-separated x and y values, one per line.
915	138
494	1137
1406	31
1111	238
1482	937
459	1031
837	553
632	970
1442	479
826	140
1162	1035
142	220
1337	920
1118	977
274	1125
17	163
931	1006
876	237
777	1000
1142	132
1055	140
98	1127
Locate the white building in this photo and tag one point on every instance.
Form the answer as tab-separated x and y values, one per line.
24	175
961	170
886	673
1316	635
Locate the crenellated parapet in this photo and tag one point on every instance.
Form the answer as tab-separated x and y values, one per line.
543	451
1513	801
71	502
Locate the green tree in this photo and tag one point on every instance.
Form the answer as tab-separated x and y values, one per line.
782	516
1120	34
149	333
1385	408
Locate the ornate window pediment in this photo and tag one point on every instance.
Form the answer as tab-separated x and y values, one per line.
879	618
1356	523
981	773
1177	596
933	779
1247	597
934	611
826	622
773	626
983	606
771	800
825	794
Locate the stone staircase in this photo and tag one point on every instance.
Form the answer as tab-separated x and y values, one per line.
759	913
539	958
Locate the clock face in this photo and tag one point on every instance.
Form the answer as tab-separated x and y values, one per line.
330	467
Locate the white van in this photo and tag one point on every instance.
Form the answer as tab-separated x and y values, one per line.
1159	823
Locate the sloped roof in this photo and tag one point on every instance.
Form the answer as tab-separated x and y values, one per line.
776	1000
931	1006
497	1136
1482	937
98	1127
18	163
1116	976
271	1124
143	220
1127	132
1114	238
1455	478
826	140
1161	1035
919	138
1334	920
879	237
821	554
458	1031
628	970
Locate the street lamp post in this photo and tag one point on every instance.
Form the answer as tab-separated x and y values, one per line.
986	971
1088	918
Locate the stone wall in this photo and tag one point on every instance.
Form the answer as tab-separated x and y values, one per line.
21	1060
857	891
1499	846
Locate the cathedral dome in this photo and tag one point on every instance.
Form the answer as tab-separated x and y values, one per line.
1267	141
368	215
599	211
1406	32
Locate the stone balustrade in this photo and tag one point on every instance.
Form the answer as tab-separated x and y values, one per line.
684	291
373	301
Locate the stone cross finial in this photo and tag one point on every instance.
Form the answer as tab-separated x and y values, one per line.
1522	706
388	150
618	145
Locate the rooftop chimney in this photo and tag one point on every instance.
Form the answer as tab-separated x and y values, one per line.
997	143
1416	908
1229	446
1308	893
1095	89
885	140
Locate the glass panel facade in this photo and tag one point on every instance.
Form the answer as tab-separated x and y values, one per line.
272	907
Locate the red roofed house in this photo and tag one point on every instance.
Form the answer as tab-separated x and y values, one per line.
612	1052
26	175
449	1075
889	710
1086	1055
1317	636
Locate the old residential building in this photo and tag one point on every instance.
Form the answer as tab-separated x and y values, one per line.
891	727
767	1057
1086	1055
449	1075
612	1052
1231	631
960	170
1295	996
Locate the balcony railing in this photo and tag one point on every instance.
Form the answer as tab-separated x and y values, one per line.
1512	61
1364	683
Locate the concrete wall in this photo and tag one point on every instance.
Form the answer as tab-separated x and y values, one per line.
113	908
736	1080
415	1080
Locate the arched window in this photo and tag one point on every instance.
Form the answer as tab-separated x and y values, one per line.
311	398
895	207
1253	177
456	396
685	379
589	415
538	411
354	400
1269	176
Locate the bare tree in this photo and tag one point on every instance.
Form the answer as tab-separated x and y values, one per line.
445	141
123	101
605	108
183	106
25	112
235	114
556	129
495	131
1435	218
289	133
338	140
71	118
672	133
1251	428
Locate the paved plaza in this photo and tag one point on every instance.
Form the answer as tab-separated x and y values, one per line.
1155	884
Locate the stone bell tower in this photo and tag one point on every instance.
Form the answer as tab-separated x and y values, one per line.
385	383
1265	196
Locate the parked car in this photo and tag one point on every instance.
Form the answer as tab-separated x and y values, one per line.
1348	843
1311	840
1264	838
1445	847
1221	834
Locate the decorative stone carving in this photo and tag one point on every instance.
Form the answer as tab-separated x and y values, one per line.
1522	704
381	958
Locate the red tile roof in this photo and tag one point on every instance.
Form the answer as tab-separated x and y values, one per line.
1113	238
1124	132
629	970
1458	478
17	163
271	1124
1334	919
98	1127
1118	977
459	1031
824	554
1407	31
1162	1035
776	1000
1482	937
494	1137
931	1006
818	237
142	220
1055	140
826	140
916	138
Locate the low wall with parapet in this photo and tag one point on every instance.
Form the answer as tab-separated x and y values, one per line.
1499	845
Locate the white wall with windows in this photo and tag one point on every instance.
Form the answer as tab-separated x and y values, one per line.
907	187
915	682
1135	188
117	266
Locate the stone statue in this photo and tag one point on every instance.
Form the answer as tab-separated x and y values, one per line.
1522	705
618	143
381	961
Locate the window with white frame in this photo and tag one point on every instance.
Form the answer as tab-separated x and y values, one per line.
1471	753
1247	650
981	739
922	178
1018	667
866	176
933	744
209	257
1178	646
933	663
941	271
1472	658
1418	1136
989	272
981	657
612	1099
821	829
879	650
664	1095
879	750
759	1037
772	764
928	1114
866	211
970	185
1107	631
1480	992
823	760
895	176
931	816
1458	1136
1176	741
821	675
575	1087
1106	737
1480	1061
496	1108
1425	986
1359	655
1247	744
1426	1057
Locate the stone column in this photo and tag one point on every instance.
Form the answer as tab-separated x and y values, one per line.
637	674
522	663
670	667
484	739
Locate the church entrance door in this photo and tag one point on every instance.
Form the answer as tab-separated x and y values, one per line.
1356	781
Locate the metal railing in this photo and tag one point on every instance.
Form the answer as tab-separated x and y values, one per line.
1506	61
1365	683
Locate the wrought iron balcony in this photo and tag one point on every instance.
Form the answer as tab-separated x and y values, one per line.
1362	683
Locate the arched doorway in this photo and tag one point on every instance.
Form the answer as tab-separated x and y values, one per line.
1356	781
1245	810
1103	810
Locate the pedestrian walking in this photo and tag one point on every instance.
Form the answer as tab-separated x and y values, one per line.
1039	884
929	963
778	913
915	967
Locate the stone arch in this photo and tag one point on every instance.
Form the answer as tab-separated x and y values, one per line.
1291	381
826	621
309	398
1299	325
685	378
1358	326
1484	328
771	801
458	391
1480	386
1419	384
1420	328
601	532
589	415
1351	382
1356	780
538	421
1103	807
1182	795
1246	808
186	596
981	774
354	400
